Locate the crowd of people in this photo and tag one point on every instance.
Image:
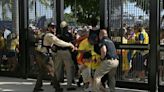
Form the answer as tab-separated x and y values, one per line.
135	61
86	53
9	49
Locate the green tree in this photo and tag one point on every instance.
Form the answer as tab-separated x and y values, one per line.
88	9
84	9
69	17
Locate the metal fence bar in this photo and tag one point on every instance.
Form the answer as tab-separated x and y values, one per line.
59	13
23	26
103	13
154	45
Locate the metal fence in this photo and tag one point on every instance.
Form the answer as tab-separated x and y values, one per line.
41	13
133	62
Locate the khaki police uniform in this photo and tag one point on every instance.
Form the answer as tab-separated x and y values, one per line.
44	59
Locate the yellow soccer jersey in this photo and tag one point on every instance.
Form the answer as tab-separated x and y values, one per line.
86	46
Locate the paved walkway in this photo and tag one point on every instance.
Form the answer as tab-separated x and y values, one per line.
8	84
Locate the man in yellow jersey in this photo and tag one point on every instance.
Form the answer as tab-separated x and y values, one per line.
12	50
140	57
87	58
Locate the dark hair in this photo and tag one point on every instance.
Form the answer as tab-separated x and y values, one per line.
96	32
92	37
94	22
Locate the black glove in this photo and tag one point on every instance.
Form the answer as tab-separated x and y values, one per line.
87	55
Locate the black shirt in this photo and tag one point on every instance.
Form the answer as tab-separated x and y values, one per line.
111	50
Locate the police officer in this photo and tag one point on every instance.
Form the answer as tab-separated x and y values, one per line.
44	59
108	63
63	57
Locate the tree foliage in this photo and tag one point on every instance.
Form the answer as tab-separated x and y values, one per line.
69	17
84	9
88	9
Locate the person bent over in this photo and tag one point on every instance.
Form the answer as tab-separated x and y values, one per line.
108	63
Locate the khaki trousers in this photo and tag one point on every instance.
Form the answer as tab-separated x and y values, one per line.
106	66
46	66
63	57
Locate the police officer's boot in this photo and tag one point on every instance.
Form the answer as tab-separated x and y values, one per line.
56	84
39	83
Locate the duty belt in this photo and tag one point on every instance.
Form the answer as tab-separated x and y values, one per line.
111	58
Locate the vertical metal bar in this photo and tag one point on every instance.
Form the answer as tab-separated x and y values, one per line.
35	10
75	13
103	13
54	11
163	4
15	16
121	33
109	17
154	45
158	34
59	13
23	26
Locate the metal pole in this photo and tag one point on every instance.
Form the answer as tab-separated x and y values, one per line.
103	14
35	11
23	26
121	20
15	16
154	45
109	18
59	13
54	11
75	14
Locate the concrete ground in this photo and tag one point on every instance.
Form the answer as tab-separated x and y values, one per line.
8	84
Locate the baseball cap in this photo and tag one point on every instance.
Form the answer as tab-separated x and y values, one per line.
51	24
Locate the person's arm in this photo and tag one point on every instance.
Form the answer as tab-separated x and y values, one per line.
17	47
59	42
103	51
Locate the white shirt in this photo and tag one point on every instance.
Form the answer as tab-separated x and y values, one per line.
6	33
50	40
